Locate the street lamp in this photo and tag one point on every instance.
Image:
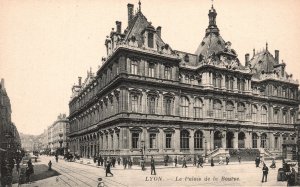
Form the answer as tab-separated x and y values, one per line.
143	150
60	142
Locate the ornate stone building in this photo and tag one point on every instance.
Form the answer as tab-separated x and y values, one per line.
148	96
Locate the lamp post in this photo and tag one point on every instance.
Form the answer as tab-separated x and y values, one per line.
60	142
143	159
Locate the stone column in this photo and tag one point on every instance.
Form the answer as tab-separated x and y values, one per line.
176	140
235	140
191	142
223	139
207	138
212	147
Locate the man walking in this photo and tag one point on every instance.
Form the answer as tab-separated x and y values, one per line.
125	163
265	170
152	166
257	161
108	171
175	161
184	162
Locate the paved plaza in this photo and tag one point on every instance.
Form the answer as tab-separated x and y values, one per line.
83	174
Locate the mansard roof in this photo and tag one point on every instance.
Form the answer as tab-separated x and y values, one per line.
138	25
263	62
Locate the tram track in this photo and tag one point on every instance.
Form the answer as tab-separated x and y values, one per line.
85	174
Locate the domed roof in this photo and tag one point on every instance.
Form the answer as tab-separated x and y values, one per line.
213	44
263	62
210	44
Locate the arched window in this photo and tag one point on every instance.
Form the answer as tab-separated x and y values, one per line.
184	107
276	116
254	140
284	116
135	140
263	141
151	104
184	139
241	140
198	140
134	103
198	108
263	114
254	113
241	111
229	110
217	107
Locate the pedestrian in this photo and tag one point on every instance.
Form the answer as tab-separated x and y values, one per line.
95	159
291	178
125	163
184	162
142	163
265	170
113	161
56	158
212	162
166	160
152	166
257	161
227	160
195	160
175	161
99	162
50	165
273	165
200	161
18	166
129	163
107	170
119	160
239	158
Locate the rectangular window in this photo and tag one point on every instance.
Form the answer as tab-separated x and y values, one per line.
134	103
151	70
167	72
135	140
134	68
150	40
168	140
152	141
168	103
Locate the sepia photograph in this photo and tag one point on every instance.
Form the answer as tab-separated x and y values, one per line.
140	93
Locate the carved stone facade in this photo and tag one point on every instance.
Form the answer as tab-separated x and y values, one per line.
147	95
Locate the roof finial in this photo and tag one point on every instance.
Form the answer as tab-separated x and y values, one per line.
140	6
212	3
266	46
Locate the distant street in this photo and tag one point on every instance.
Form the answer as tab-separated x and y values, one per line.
234	174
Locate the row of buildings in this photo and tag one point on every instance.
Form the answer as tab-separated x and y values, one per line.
10	143
54	139
148	96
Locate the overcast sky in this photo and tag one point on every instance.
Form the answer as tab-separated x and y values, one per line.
45	45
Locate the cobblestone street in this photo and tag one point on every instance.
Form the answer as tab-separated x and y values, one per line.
234	174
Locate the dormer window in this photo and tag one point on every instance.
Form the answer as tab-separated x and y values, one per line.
150	40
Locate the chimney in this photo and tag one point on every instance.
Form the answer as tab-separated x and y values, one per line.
119	27
277	56
2	84
130	12
247	59
158	31
79	81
